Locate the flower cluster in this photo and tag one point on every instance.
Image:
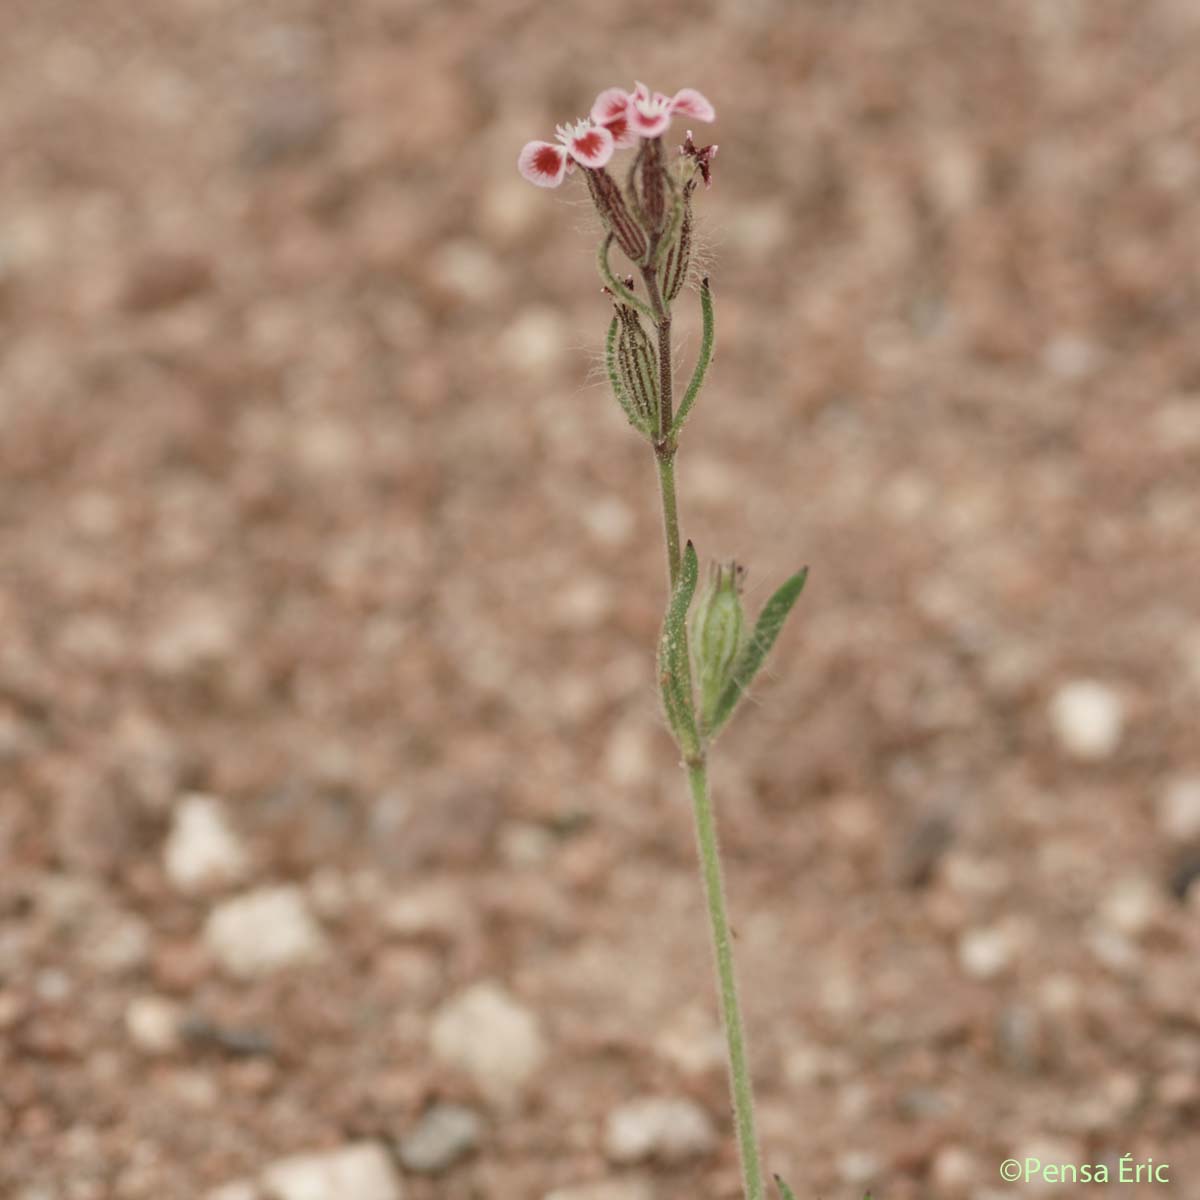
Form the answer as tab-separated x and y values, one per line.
617	120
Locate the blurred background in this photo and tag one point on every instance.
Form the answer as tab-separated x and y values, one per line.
339	828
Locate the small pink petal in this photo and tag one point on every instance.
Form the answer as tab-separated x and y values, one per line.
610	104
648	126
543	163
623	136
641	92
593	148
692	104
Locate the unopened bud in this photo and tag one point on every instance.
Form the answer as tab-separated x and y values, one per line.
651	172
717	634
614	212
637	365
678	256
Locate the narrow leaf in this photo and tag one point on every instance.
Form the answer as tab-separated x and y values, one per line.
610	359
785	1191
674	668
614	284
758	646
702	359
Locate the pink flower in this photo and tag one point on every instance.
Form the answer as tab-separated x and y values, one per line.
611	110
546	164
646	114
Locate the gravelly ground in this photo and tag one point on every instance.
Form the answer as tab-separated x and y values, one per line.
310	500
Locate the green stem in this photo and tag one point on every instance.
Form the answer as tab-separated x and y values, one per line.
739	1069
697	767
666	481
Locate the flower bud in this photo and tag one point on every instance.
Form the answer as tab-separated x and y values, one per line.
651	172
614	212
637	366
717	635
678	257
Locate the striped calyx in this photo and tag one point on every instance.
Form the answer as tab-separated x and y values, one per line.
673	269
606	194
637	366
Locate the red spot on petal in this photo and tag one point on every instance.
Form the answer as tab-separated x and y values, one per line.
547	161
618	126
589	145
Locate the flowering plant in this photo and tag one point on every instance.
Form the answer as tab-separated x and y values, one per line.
707	657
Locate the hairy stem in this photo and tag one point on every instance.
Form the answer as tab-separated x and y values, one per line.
697	767
664	447
666	483
731	1016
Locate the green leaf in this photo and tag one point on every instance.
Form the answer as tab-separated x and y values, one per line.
702	359
610	359
785	1191
758	646
674	669
614	284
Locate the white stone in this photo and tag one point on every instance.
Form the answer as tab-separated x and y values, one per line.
152	1023
262	931
202	850
858	1167
667	1129
954	1173
616	1189
361	1170
239	1189
436	910
693	1042
1088	719
446	1133
1131	906
485	1033
1179	809
117	942
986	953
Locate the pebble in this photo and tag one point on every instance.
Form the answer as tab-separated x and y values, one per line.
239	1189
202	850
153	1024
667	1129
986	953
160	280
1179	809
262	931
117	942
436	911
616	1189
693	1042
1131	907
487	1034
445	1134
954	1172
361	1170
1088	718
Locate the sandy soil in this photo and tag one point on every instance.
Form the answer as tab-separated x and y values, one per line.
311	500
